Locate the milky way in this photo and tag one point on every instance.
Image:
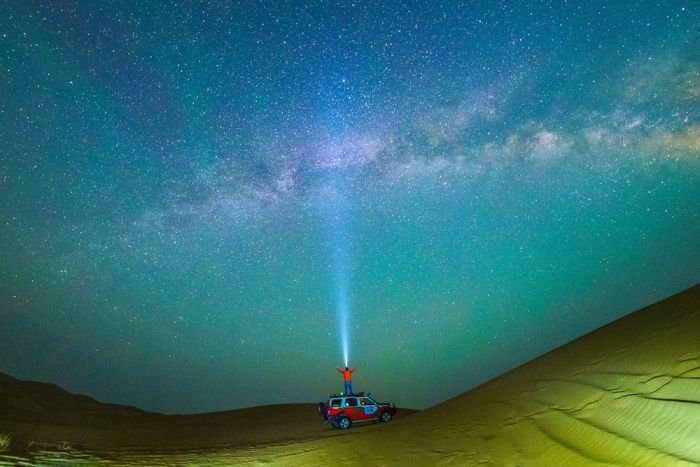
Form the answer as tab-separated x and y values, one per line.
192	192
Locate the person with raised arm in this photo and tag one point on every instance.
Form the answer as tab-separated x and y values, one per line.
347	377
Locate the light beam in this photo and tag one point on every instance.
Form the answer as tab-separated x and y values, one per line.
340	275
339	240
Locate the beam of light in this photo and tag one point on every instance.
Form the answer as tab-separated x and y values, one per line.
340	264
340	279
339	236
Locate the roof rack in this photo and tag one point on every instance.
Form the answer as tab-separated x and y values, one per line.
352	394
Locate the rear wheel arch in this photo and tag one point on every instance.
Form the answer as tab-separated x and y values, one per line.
322	411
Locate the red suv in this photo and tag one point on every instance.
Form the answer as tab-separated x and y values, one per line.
341	411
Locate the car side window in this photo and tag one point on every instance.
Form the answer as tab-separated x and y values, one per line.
335	403
365	401
351	402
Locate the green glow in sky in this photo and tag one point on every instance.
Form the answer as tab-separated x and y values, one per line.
511	177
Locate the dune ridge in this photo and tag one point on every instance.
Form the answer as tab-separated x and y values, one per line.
625	394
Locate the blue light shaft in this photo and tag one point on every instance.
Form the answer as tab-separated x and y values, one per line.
340	238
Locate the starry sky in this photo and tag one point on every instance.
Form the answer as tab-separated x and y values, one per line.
207	205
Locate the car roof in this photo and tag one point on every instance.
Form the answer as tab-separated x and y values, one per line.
333	396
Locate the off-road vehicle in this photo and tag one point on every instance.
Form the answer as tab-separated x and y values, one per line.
342	410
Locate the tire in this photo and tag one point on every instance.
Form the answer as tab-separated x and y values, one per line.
386	417
322	411
344	423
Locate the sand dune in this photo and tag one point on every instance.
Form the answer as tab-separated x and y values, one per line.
49	425
45	415
626	394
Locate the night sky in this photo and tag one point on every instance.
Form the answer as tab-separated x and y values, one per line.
204	206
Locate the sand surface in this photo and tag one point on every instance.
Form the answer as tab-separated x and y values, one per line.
626	394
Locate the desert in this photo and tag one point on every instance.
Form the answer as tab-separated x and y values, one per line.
625	394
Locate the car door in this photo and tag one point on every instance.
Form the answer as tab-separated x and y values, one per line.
370	408
353	408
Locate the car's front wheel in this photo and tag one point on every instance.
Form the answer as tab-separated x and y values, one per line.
386	417
344	423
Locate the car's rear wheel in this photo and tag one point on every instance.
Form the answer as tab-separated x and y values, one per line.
344	423
322	411
386	417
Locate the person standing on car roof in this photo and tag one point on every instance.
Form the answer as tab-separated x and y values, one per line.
347	377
